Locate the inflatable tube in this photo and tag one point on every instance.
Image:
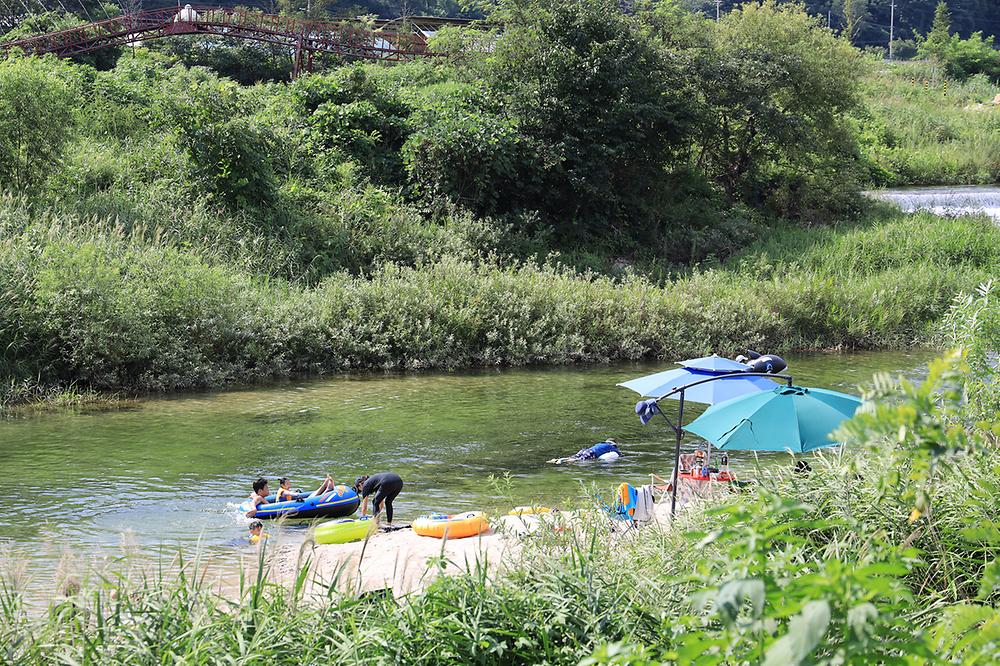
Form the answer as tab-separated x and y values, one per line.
458	526
343	531
609	456
767	363
725	477
528	510
338	503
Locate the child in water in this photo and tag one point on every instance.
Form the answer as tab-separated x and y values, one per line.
257	532
284	490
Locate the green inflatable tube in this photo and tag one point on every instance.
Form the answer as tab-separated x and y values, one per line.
343	531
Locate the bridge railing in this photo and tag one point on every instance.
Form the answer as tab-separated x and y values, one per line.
353	37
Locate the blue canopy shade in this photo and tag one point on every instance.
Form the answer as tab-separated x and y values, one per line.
788	417
661	383
714	363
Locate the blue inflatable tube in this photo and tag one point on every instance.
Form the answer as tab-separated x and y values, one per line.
337	503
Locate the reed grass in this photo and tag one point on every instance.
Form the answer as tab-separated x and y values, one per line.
117	308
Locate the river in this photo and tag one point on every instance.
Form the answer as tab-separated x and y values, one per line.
945	200
169	472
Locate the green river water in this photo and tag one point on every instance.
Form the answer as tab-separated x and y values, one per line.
169	472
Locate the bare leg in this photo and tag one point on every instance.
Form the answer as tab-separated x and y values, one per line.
324	487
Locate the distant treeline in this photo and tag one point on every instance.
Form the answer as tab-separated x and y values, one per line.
870	19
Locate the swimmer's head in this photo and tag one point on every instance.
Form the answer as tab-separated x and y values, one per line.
256	527
260	487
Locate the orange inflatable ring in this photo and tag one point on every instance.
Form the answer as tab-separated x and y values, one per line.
458	526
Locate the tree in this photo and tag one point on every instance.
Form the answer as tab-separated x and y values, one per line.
598	103
36	119
776	87
855	13
938	40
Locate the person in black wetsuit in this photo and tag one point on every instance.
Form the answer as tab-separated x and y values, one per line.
384	487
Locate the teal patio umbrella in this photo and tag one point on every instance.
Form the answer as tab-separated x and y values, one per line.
788	417
709	380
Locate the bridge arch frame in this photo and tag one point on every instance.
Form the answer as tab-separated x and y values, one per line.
387	41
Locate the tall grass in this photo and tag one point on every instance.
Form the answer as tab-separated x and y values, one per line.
924	129
111	308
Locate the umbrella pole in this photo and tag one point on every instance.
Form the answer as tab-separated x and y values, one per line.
677	458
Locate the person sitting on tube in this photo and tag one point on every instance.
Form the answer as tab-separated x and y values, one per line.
285	493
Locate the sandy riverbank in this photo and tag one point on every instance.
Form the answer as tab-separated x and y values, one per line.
403	562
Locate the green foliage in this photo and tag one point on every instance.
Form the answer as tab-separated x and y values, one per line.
471	154
961	58
599	106
36	119
921	128
776	91
973	324
583	140
354	114
939	37
136	309
229	152
975	55
244	62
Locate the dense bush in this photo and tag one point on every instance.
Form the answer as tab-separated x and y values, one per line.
36	119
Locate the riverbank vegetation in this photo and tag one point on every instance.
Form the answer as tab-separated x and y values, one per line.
923	127
886	555
593	186
114	309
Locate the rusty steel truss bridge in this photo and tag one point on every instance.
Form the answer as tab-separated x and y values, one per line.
396	40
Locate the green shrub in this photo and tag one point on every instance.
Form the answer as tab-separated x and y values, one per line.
37	97
353	114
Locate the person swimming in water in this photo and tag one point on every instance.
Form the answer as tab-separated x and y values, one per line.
594	452
257	532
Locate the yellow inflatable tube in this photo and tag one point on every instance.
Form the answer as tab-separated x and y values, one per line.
528	510
458	526
343	531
